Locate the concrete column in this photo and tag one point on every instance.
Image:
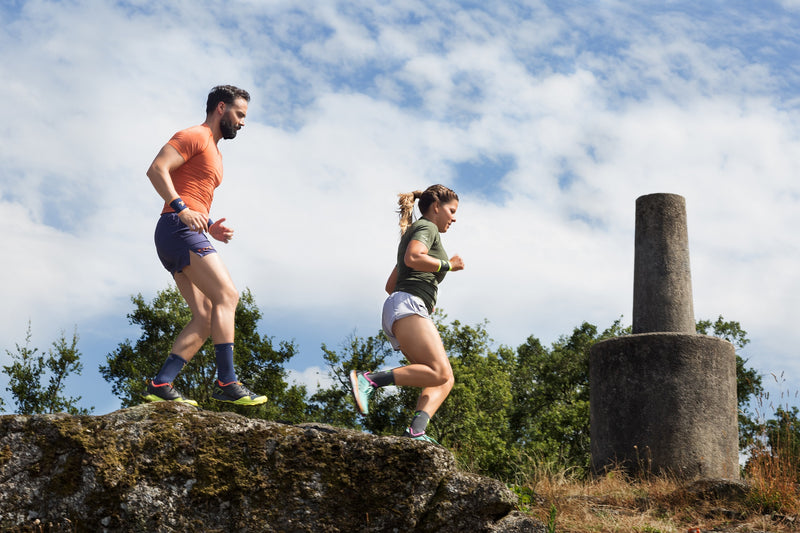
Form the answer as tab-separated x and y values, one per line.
664	398
662	277
665	402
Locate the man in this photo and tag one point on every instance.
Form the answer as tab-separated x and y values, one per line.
185	173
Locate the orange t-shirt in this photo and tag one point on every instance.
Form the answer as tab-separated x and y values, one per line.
201	173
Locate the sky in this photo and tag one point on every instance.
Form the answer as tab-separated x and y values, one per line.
549	119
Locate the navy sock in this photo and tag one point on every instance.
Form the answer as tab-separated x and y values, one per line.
382	379
225	369
419	423
172	367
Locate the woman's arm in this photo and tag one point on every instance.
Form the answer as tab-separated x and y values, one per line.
392	281
417	258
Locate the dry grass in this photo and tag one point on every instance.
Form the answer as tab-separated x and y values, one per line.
768	500
616	502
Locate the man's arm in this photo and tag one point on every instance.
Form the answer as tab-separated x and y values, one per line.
167	160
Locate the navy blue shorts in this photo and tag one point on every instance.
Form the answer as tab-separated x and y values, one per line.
174	241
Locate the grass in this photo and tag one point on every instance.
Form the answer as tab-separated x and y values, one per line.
767	500
570	501
616	502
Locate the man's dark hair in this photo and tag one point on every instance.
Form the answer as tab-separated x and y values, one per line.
224	93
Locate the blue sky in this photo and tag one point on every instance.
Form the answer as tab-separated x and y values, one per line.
548	118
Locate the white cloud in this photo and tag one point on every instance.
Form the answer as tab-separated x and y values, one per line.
313	378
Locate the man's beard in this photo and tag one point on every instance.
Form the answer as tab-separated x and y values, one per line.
227	128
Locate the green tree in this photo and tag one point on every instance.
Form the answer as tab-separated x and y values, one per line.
258	363
783	436
773	463
474	422
37	380
550	415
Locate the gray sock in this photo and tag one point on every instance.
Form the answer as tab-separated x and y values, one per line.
419	423
382	379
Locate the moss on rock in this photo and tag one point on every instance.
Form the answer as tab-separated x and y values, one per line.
170	467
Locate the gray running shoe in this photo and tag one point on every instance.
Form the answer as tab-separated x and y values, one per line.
166	393
235	392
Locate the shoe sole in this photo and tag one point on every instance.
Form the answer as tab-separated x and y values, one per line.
354	389
244	401
154	398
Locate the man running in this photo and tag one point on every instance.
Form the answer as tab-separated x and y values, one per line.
185	173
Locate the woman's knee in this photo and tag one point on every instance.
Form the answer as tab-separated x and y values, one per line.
451	380
445	376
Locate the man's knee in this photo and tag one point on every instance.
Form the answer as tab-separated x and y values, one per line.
229	297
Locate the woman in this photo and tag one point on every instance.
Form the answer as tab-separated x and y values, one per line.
413	286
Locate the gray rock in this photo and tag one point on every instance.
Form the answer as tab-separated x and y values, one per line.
167	467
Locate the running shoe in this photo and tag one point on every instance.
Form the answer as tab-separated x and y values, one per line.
362	390
421	436
235	392
166	393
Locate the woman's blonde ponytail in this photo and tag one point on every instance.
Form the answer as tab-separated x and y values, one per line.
406	203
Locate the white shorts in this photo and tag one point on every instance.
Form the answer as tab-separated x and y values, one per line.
400	305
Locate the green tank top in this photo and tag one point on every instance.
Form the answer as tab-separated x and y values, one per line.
422	284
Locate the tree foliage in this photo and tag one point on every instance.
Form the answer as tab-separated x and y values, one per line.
258	363
37	380
506	407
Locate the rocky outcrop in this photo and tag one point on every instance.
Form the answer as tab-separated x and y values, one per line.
168	467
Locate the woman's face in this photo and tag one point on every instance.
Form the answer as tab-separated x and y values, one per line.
444	214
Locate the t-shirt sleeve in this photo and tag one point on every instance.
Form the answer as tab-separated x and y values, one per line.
187	143
424	234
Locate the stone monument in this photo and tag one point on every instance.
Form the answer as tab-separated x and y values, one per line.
664	398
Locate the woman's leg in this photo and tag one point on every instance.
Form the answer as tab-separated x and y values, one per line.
430	368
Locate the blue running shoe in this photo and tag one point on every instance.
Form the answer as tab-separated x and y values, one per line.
363	390
419	436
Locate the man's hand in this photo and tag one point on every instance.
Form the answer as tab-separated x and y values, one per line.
194	221
220	232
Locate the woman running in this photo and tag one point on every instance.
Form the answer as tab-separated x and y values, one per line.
413	286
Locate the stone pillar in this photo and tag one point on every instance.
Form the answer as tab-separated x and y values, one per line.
662	277
664	398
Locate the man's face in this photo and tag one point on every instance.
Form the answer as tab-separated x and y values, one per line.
233	118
